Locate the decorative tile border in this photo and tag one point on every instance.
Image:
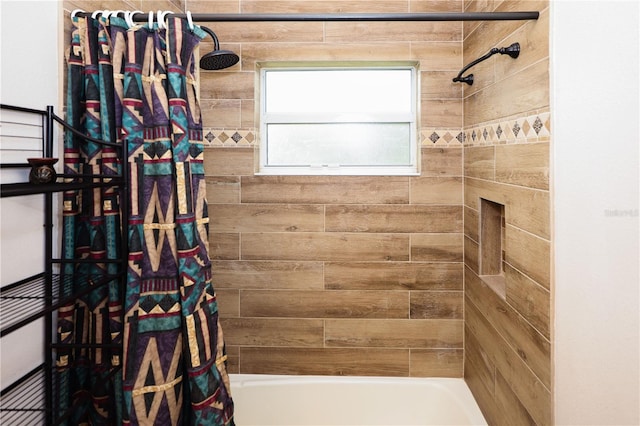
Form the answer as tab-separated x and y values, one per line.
511	130
535	127
437	138
229	138
243	138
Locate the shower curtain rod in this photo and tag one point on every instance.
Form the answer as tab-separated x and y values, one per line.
332	17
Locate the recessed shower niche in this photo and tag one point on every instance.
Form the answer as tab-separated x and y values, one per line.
492	231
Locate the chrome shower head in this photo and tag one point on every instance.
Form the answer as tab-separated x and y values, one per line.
218	59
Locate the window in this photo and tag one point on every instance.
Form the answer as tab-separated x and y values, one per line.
347	119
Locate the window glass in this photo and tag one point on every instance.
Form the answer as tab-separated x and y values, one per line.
355	119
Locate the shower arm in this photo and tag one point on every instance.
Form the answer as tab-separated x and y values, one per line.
513	51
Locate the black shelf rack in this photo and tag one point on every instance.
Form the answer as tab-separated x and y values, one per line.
32	399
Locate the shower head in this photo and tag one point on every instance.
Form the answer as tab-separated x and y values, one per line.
218	59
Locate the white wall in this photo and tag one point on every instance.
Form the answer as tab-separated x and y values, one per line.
595	107
29	63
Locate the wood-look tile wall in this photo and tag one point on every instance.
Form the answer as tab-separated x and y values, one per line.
507	338
337	275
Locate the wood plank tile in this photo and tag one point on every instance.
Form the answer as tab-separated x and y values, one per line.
536	45
223	189
438	56
441	162
439	85
221	113
266	217
325	361
326	6
479	362
436	363
523	164
224	246
218	6
508	404
525	208
393	276
436	247
525	340
325	189
349	32
247	114
321	246
472	255
228	302
393	218
512	96
394	333
435	5
228	161
436	305
324	304
441	113
531	300
268	275
479	162
233	359
471	224
436	190
296	332
533	395
228	84
352	51
529	254
269	32
487	34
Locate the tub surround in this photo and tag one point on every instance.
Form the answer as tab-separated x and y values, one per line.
506	163
379	276
337	275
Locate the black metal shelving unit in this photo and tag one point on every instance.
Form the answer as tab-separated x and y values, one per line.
32	399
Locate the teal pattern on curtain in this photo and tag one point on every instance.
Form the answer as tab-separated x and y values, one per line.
91	232
173	360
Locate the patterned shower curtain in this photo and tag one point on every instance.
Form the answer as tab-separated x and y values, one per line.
137	87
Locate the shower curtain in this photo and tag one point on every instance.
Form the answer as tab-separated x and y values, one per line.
137	87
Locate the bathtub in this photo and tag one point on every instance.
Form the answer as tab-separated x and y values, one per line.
327	400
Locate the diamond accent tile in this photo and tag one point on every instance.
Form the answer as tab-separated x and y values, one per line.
236	137
516	129
537	125
526	128
499	131
434	137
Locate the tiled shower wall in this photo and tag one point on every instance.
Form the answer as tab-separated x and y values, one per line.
364	275
506	161
337	275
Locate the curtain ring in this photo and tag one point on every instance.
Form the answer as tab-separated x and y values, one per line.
94	14
151	19
76	11
190	20
161	18
129	17
104	14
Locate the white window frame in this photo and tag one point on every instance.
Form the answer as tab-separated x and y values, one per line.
263	119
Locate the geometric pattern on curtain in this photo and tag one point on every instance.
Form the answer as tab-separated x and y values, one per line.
91	232
174	350
173	360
